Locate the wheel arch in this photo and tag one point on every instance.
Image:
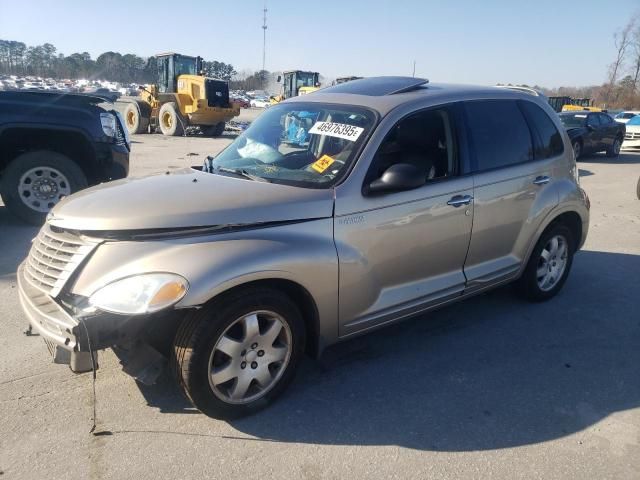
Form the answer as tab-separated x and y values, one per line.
568	216
74	143
298	294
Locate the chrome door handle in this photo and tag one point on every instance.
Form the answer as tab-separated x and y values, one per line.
541	180
459	200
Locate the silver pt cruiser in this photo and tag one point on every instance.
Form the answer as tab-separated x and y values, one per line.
335	213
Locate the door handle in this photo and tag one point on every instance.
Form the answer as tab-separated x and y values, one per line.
541	180
460	200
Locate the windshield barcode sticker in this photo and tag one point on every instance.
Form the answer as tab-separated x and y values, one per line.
340	130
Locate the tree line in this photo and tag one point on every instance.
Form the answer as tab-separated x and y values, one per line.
16	58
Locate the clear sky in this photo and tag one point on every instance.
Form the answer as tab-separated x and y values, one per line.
546	42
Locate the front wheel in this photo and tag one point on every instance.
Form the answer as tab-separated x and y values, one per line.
614	150
35	181
235	356
549	264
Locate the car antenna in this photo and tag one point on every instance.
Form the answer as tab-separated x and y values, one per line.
93	383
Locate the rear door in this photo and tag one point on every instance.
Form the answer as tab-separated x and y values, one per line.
513	164
609	130
593	141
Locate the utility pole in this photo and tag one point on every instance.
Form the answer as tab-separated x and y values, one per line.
264	34
414	68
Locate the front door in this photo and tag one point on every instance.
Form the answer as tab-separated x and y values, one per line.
400	252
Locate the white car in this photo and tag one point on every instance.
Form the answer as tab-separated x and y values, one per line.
260	103
624	117
632	135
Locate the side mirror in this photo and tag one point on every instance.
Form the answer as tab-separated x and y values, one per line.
591	128
279	78
140	87
398	177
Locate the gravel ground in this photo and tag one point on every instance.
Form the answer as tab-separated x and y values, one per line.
490	388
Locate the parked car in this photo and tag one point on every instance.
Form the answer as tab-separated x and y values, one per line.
632	134
592	132
260	102
52	145
624	117
272	250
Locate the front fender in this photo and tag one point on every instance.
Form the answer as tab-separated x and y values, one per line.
303	253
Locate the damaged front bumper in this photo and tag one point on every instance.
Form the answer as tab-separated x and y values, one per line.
54	325
73	335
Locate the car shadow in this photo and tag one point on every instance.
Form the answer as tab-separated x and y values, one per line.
491	372
625	158
15	241
585	173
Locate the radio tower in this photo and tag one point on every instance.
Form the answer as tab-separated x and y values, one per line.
264	34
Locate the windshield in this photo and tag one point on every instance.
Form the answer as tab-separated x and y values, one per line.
308	145
573	120
185	65
625	115
306	80
635	120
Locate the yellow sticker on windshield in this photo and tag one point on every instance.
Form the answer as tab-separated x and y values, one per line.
322	163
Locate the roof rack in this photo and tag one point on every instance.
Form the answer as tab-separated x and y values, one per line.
528	90
378	86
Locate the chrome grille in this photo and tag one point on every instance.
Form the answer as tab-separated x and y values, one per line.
632	136
53	258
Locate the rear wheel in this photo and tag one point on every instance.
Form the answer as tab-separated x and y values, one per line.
134	120
614	150
235	356
577	149
213	130
549	264
35	181
170	120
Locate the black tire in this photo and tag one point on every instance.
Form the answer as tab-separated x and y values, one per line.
199	332
528	285
170	121
577	148
134	120
614	150
15	195
213	130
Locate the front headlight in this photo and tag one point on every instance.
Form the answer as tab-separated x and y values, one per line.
108	122
146	293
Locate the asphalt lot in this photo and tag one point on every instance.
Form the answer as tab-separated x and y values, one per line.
491	388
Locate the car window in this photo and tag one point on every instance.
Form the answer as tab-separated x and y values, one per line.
550	141
499	133
605	119
425	140
593	121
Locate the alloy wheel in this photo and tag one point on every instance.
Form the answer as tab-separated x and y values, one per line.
250	357
552	263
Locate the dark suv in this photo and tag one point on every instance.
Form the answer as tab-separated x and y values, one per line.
52	145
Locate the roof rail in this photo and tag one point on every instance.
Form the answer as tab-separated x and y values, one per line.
528	90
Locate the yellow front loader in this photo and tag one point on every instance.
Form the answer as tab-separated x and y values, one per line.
296	82
181	97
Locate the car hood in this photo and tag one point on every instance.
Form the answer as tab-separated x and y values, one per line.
185	199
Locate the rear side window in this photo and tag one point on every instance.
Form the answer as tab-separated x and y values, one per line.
593	120
499	133
549	142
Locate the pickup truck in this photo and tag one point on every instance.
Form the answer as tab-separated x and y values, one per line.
52	145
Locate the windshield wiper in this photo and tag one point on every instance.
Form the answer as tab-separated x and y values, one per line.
241	172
